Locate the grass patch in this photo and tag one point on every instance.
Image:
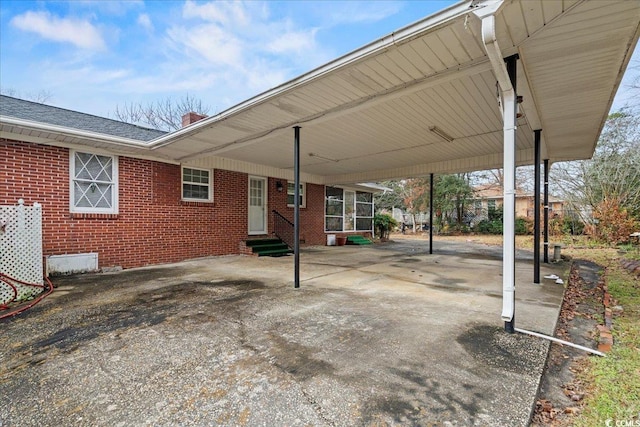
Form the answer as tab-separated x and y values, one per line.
613	382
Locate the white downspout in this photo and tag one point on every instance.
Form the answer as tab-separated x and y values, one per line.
508	96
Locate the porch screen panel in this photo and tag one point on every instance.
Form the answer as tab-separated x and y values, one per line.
334	209
364	211
349	211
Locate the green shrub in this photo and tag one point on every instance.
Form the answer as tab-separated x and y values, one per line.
489	227
572	226
383	224
523	226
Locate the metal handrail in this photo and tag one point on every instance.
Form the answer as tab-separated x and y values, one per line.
283	228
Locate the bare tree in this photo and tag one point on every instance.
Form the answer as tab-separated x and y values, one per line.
42	96
494	178
613	172
165	114
634	86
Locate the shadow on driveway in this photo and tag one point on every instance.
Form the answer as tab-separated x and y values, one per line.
383	335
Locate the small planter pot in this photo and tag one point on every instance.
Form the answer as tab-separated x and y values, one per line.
341	241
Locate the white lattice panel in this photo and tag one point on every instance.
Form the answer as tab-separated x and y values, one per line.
21	247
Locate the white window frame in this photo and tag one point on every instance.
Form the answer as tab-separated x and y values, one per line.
344	208
355	207
324	211
209	198
303	190
114	185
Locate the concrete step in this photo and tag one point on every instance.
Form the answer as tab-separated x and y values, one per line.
268	247
264	241
275	252
358	240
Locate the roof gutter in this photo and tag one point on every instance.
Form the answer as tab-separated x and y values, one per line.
508	108
75	133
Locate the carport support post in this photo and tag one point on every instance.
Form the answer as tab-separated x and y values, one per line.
536	206
296	204
546	211
509	218
430	213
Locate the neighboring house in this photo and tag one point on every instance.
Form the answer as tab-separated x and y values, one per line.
491	196
134	209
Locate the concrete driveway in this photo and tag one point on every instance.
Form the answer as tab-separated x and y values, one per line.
375	336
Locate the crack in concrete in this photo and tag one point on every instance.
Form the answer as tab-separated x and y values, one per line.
317	407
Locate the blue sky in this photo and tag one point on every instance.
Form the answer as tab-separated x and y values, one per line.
92	56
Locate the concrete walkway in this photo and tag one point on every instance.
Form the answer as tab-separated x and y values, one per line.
381	335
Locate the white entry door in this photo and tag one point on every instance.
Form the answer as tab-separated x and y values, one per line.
257	205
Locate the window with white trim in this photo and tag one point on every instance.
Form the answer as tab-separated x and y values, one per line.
347	210
291	187
364	211
197	185
94	183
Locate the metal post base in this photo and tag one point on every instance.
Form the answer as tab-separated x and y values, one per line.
510	327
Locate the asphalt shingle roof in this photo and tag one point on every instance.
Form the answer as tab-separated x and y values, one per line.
28	110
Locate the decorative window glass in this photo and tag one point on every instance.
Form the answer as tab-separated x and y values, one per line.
347	210
291	194
196	185
491	204
94	183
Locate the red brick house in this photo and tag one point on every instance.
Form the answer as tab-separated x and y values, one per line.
135	209
491	196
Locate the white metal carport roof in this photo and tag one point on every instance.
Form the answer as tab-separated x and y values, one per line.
366	116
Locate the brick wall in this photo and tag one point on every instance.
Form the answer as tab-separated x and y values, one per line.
311	216
153	225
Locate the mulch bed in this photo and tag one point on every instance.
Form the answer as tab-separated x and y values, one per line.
561	391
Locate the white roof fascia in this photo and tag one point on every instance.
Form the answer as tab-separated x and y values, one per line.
75	133
629	53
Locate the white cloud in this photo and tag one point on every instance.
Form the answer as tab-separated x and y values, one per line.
294	41
209	42
221	12
351	12
80	33
111	7
243	42
80	73
145	22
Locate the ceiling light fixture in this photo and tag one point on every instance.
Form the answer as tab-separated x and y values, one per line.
442	134
322	157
